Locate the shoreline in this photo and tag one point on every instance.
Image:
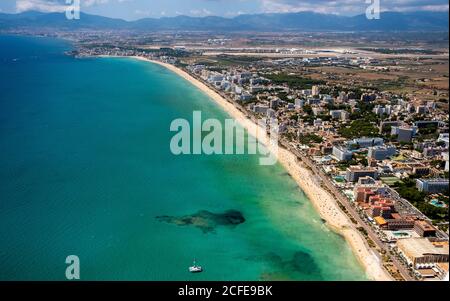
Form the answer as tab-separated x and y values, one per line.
322	200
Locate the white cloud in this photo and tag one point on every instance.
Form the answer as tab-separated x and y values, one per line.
142	12
40	5
57	5
227	7
350	6
93	2
234	13
200	12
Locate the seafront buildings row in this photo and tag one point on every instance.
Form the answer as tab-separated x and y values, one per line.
385	156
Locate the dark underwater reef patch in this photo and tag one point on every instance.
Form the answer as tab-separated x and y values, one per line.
301	266
205	220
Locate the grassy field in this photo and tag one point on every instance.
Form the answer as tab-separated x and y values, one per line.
426	78
390	180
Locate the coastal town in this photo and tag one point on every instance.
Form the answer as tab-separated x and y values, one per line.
381	156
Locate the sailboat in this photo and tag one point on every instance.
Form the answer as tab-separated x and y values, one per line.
195	268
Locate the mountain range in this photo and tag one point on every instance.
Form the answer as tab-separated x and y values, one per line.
302	21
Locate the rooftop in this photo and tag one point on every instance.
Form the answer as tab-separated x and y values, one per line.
380	220
359	168
424	225
418	247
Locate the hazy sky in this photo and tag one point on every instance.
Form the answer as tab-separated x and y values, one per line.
135	9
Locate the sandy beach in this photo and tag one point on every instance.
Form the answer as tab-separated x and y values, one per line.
322	200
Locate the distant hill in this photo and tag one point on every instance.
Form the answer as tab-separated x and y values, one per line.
303	21
33	19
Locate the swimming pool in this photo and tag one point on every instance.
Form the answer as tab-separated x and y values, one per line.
400	234
339	179
437	203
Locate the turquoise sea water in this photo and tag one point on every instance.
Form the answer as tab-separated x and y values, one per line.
86	168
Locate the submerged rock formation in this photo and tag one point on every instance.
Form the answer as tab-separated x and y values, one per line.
205	220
